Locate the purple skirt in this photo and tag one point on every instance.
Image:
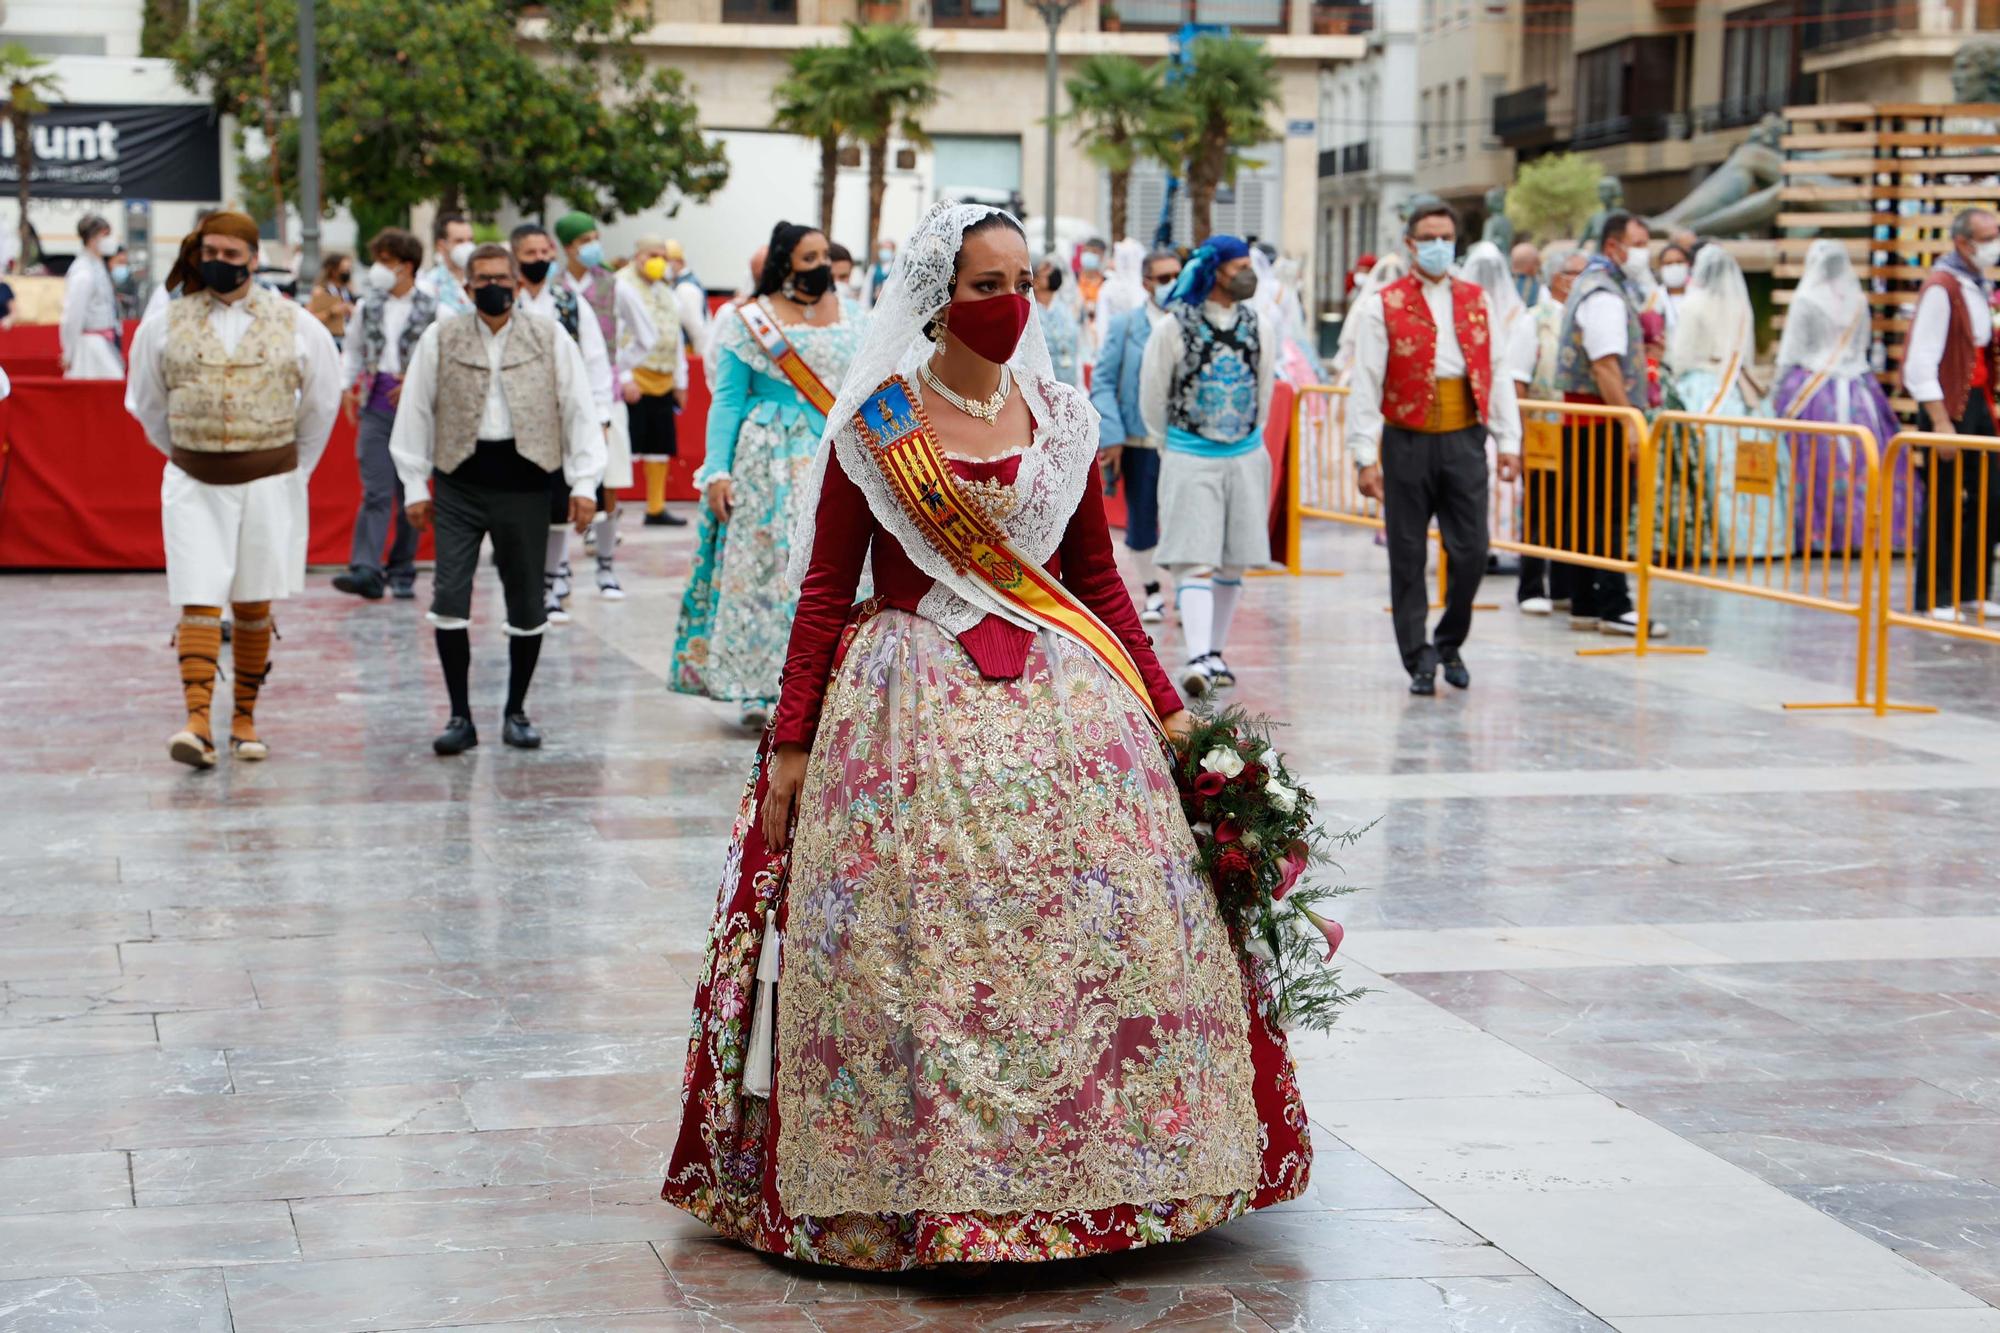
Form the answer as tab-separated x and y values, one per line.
1829	510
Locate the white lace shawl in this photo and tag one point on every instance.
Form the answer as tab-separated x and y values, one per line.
1053	471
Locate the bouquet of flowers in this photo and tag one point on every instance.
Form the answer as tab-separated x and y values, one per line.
1255	839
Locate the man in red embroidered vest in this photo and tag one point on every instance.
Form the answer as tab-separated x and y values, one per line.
1950	367
1425	401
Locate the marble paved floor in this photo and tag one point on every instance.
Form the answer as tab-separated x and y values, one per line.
1686	1013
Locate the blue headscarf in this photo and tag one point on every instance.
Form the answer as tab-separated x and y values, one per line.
1197	279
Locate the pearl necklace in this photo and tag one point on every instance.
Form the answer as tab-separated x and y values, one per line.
986	409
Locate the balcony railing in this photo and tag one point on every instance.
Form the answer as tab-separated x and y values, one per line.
1343	19
1521	116
1647	127
1824	23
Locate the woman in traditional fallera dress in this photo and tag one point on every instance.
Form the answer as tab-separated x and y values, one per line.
763	427
1709	361
989	1011
1824	375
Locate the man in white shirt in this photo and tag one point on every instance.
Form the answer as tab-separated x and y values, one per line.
1430	386
238	387
689	296
1950	367
1205	389
1126	449
494	405
1601	358
543	293
391	317
444	280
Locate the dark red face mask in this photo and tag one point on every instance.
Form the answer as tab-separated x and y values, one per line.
990	328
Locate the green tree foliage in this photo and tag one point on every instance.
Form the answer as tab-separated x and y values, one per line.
442	100
1220	105
889	80
29	83
1553	196
1116	105
813	103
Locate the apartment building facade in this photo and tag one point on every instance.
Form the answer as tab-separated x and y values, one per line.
986	133
1367	151
1660	92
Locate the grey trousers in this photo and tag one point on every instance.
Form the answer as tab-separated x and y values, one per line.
381	506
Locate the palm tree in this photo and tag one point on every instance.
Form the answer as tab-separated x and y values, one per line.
30	83
811	103
888	78
1219	106
1115	103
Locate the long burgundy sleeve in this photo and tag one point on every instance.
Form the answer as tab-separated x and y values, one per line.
1091	572
842	530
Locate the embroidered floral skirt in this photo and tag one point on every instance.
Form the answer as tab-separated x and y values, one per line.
1009	1022
736	615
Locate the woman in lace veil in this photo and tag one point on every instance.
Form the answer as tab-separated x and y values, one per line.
1825	374
1710	369
966	998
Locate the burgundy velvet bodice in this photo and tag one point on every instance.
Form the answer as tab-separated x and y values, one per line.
845	532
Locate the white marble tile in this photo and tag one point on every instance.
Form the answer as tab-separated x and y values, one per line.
1711	1250
189	1300
1508	948
128	1240
1508	1144
64	1182
1845	940
1985	1320
1358	1065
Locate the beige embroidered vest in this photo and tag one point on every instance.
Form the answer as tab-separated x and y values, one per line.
655	375
527	379
238	400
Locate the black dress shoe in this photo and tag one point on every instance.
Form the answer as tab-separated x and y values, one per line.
520	733
404	592
1455	674
666	518
361	583
458	736
1424	681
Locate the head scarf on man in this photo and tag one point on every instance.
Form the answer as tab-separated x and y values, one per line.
1197	278
572	225
185	276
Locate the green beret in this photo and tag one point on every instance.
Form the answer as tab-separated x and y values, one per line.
572	225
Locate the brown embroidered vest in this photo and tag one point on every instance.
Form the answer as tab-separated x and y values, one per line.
232	400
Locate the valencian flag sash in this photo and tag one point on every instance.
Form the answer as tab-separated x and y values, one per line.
906	452
784	356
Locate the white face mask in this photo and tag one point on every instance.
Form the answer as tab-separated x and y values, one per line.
1638	259
1674	276
105	245
1987	255
380	276
461	255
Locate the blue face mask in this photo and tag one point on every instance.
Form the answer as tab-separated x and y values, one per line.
1434	256
120	272
590	255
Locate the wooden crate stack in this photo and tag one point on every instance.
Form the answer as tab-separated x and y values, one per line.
1901	171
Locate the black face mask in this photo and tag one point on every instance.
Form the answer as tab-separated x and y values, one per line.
812	283
1055	279
536	271
493	299
219	275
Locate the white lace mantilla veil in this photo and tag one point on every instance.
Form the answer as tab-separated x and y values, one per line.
1716	320
1490	271
1052	475
1824	308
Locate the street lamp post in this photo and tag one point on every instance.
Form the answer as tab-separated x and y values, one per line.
1052	12
308	143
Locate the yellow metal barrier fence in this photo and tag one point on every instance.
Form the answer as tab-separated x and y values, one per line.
1581	464
1747	505
1944	581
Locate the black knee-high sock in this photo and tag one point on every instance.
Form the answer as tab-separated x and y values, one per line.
455	656
523	651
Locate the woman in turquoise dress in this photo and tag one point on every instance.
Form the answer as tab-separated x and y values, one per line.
1705	516
763	431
